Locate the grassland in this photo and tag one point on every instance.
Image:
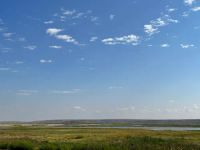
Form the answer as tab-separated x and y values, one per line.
61	138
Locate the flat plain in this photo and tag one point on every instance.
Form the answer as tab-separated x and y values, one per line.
81	138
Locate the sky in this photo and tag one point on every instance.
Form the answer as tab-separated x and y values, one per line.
124	59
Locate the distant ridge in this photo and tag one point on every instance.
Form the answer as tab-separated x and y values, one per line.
116	122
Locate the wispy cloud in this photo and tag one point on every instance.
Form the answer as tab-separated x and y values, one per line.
115	87
79	108
94	18
43	61
154	25
7	35
73	91
186	45
67	38
128	39
111	16
30	47
4	69
22	39
94	38
26	92
49	22
68	12
19	62
55	46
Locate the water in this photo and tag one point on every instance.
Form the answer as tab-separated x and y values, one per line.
151	128
173	128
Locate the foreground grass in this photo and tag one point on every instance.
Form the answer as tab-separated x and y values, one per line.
36	138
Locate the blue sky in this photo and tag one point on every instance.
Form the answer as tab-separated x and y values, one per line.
70	59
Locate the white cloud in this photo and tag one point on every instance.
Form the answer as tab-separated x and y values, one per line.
79	108
78	15
53	31
22	39
26	92
4	69
185	14
126	109
73	91
19	62
68	12
49	22
94	18
165	45
154	25
159	22
150	29
186	45
111	16
171	9
66	38
1	22
171	101
196	9
115	87
94	38
55	46
7	35
82	59
129	39
189	2
30	47
45	61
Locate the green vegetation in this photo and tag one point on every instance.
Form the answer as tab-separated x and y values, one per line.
59	138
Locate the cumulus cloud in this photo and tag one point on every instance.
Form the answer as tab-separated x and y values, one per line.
165	45
150	29
53	31
196	9
67	38
186	45
128	39
189	2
